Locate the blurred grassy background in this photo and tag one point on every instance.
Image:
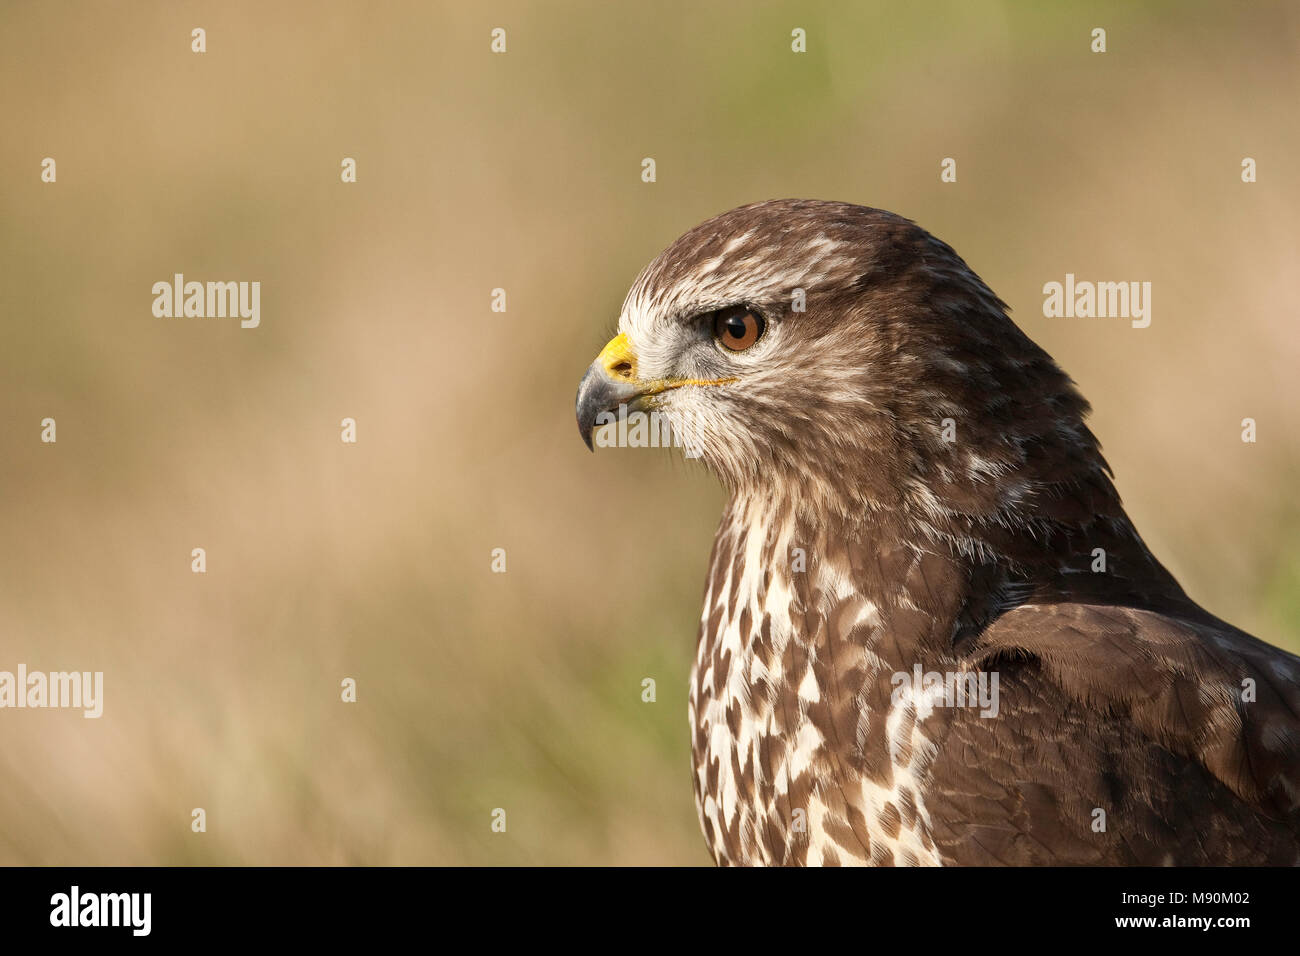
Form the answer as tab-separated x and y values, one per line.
325	560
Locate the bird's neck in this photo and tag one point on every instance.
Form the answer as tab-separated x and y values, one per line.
935	584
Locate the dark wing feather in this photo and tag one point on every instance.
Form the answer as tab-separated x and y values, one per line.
1138	714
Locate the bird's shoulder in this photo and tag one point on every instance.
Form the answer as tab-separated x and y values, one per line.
1193	685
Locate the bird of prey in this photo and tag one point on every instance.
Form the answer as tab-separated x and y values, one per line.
930	633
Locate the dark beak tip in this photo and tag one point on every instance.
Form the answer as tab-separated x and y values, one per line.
597	394
587	405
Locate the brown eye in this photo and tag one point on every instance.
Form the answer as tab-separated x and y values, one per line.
737	328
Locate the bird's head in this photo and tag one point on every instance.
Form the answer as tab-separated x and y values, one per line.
847	356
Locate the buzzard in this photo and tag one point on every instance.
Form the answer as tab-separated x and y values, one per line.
917	510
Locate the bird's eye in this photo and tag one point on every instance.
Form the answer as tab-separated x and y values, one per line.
737	328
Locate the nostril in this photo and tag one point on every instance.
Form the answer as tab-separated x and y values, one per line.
623	368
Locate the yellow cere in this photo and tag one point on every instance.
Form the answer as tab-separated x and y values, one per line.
618	359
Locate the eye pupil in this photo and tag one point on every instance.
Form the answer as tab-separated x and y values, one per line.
738	328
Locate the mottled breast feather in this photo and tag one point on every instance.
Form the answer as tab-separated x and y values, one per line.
861	545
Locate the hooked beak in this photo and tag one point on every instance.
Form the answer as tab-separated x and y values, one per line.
611	381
